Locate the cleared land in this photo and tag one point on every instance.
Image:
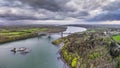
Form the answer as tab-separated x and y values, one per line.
8	34
117	38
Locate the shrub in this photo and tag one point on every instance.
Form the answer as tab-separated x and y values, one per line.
74	63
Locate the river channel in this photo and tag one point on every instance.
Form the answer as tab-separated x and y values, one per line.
43	54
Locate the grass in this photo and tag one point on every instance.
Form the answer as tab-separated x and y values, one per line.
116	38
34	29
20	32
91	31
10	34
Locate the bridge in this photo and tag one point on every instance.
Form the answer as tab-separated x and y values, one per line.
47	33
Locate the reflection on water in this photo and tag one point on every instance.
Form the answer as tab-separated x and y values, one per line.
43	54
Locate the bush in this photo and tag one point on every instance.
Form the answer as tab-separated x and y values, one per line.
94	55
74	63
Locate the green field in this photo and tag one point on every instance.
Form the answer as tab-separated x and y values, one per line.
20	32
116	38
7	35
92	30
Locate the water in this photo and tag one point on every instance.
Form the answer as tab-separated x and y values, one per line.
43	54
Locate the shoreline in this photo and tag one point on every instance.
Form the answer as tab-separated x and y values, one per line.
11	33
69	53
93	43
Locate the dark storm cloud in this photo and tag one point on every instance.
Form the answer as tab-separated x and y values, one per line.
53	5
90	10
72	6
47	4
17	17
38	9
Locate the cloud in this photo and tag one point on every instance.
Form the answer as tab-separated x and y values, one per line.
109	12
27	14
59	10
112	6
106	16
52	5
111	22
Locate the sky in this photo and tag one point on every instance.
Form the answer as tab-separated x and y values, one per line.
59	12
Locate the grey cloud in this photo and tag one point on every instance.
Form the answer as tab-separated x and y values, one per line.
106	17
62	9
10	3
53	5
112	6
17	17
80	14
110	12
11	13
